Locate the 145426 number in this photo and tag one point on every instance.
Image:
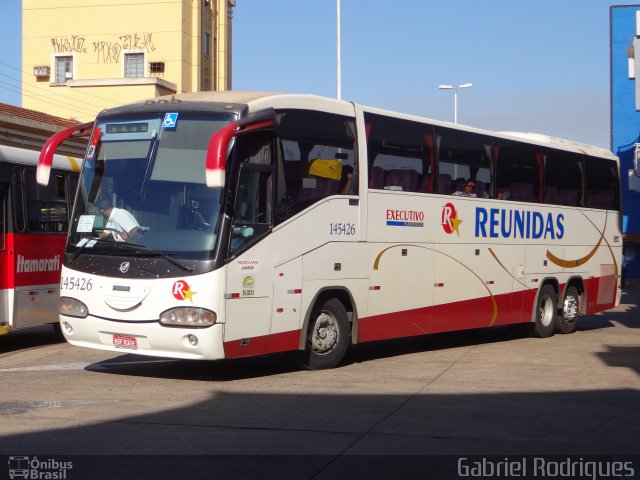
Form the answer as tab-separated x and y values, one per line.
342	229
76	283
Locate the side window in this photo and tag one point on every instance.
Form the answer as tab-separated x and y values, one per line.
316	159
253	205
3	221
401	154
464	163
518	171
72	187
602	184
563	177
18	201
46	206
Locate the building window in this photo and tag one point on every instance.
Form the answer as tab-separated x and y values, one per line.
64	69
133	65
206	44
156	67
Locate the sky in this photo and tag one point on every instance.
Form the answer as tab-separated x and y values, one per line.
536	66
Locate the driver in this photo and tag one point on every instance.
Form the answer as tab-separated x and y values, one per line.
120	223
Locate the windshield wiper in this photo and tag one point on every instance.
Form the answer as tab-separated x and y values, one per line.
144	248
158	253
93	241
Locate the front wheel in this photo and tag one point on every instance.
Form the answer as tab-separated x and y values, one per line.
546	314
567	321
328	336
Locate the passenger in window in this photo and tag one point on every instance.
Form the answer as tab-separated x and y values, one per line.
345	180
121	225
468	190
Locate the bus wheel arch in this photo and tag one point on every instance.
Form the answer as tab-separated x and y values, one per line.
545	312
327	329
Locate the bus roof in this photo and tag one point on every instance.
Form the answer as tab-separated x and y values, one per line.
256	101
23	156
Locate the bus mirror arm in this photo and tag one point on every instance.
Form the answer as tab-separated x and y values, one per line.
219	145
45	160
217	155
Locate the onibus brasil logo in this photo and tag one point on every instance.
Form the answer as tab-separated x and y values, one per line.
35	468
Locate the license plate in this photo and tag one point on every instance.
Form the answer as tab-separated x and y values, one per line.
125	341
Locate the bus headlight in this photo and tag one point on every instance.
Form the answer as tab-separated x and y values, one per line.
187	317
72	308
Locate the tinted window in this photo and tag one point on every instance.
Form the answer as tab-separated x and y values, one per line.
3	230
563	177
316	159
463	156
602	189
401	154
18	201
518	171
253	206
46	206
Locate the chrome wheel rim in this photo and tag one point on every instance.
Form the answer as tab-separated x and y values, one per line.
570	308
546	311
325	333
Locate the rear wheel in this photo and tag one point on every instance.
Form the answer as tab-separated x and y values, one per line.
567	321
546	313
328	336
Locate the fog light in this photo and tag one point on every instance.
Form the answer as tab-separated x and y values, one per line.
193	340
187	317
67	328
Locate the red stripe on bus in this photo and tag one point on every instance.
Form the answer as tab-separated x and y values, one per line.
475	313
277	342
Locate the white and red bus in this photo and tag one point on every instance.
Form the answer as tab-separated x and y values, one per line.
270	223
33	233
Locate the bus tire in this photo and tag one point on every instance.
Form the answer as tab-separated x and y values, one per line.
328	336
545	314
567	320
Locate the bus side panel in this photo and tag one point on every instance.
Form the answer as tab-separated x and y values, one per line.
37	264
461	291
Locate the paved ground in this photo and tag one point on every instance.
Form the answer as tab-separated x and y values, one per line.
481	392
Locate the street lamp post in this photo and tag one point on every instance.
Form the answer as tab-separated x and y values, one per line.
339	68
455	96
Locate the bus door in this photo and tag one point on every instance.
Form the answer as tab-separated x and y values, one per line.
249	282
6	265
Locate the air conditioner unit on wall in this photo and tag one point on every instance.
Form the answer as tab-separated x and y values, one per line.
42	71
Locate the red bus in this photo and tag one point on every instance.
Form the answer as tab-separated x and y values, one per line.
33	231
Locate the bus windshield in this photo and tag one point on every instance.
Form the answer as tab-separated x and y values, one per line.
143	182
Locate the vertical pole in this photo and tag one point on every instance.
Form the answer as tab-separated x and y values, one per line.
339	73
455	105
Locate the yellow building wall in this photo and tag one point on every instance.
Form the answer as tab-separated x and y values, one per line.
97	35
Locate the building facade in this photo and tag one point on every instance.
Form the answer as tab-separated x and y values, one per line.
625	121
81	57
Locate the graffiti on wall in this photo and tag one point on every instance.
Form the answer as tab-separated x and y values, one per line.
72	43
105	51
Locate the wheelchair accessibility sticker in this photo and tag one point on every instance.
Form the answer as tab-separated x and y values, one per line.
170	121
